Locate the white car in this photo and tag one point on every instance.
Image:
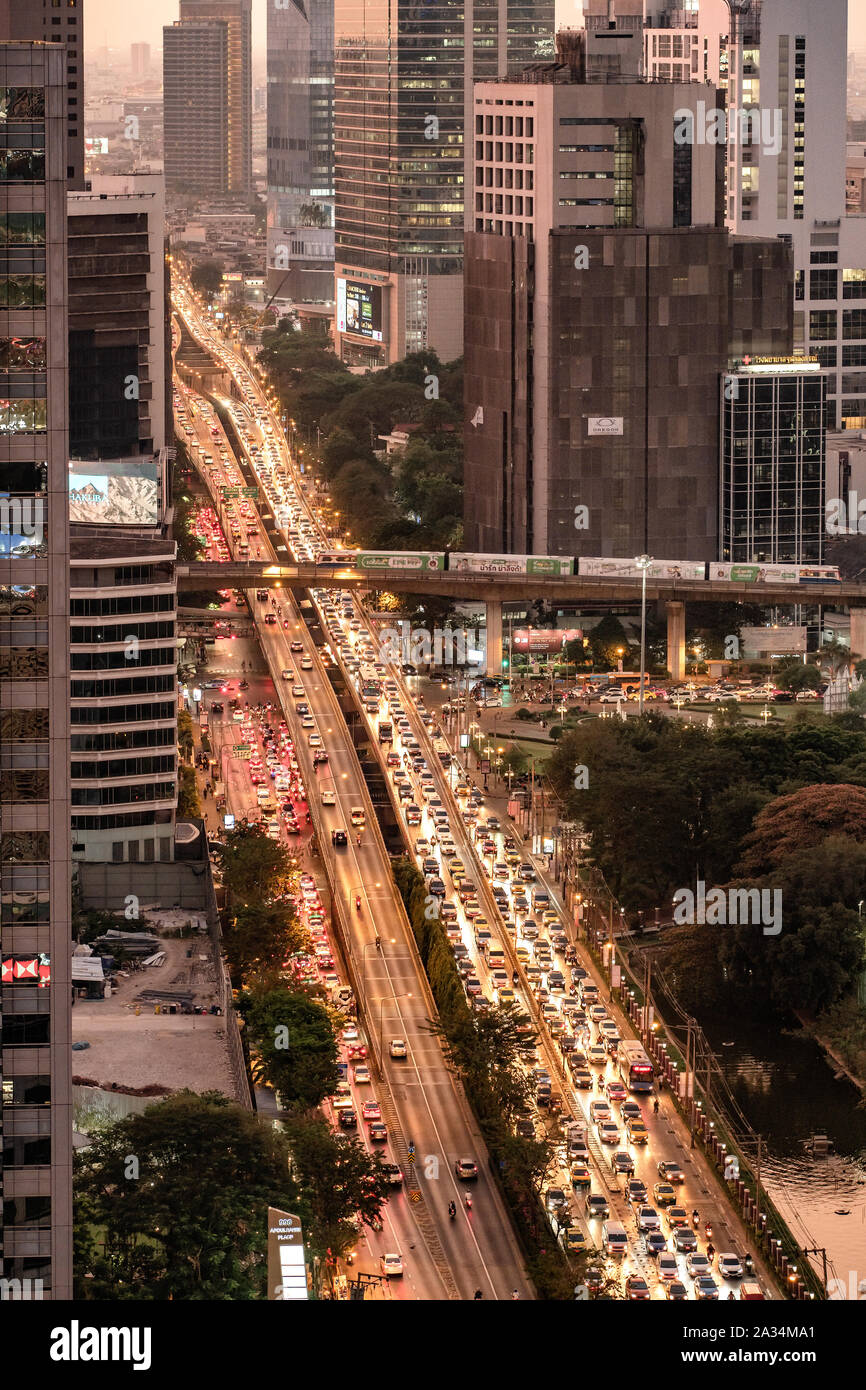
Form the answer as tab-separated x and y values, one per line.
397	1048
329	798
730	1266
611	697
391	1265
288	675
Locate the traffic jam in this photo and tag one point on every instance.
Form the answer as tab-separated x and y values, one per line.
618	1190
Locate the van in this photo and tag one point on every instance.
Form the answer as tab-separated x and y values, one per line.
751	1292
540	899
614	1238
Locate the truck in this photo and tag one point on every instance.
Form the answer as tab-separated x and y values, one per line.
386	731
442	751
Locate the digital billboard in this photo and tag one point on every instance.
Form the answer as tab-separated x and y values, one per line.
95	144
114	492
359	309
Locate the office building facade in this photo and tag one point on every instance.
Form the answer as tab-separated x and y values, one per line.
236	15
771	507
123	695
35	926
195	108
45	21
602	299
300	143
402	89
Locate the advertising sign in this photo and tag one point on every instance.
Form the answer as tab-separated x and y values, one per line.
544	639
114	492
604	424
772	640
554	565
287	1270
359	309
627	569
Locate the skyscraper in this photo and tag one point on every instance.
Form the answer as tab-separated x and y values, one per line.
301	150
237	16
195	107
47	22
602	303
35	929
139	57
402	85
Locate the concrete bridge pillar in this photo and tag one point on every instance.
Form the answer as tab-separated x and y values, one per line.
858	632
493	644
677	640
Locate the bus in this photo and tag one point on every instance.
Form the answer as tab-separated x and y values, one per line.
635	1067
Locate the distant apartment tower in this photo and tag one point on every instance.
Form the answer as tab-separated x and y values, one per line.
402	88
35	926
195	108
236	15
139	55
119	349
48	21
300	147
603	301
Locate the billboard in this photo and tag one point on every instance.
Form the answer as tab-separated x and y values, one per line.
772	641
544	639
382	559
114	492
359	309
603	424
95	144
554	565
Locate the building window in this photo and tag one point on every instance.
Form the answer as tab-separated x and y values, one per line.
822	325
853	323
854	284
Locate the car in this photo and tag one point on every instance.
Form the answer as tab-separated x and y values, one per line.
676	1217
697	1263
622	1161
555	1199
371	1110
664	1195
596	1204
288	675
329	797
348	1119
635	1192
706	1287
397	1048
599	1110
378	1132
573	1240
391	1266
667	1267
580	1175
296	646
647	1219
596	1055
466	1170
393	1173
630	1110
656	1244
614	1090
730	1266
676	1291
685	1240
637	1132
636	1287
608	1132
339	838
361	1076
670	1172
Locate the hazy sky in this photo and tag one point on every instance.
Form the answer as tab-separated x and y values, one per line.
121	22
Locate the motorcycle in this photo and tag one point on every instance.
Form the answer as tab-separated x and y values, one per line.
468	1201
708	1231
696	1220
357	902
452	1210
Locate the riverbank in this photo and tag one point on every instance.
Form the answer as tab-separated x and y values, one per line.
841	1033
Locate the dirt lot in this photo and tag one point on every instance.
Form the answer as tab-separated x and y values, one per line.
141	1049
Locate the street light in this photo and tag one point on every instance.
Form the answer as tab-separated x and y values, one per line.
643	563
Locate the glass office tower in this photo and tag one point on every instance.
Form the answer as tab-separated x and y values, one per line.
35	1012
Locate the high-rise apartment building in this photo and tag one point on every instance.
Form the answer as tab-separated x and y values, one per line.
35	927
603	300
402	87
48	21
236	15
195	108
301	150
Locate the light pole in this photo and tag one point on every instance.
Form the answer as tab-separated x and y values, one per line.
643	563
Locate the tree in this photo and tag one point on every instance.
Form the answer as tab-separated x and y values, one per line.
188	801
179	1195
255	869
338	1179
207	277
605	640
799	677
295	1042
259	939
185	741
791	824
